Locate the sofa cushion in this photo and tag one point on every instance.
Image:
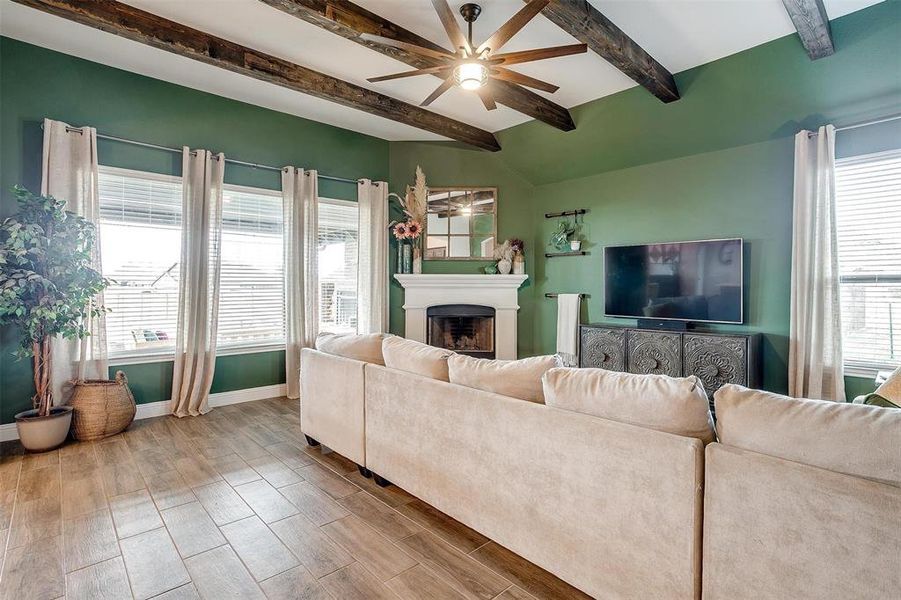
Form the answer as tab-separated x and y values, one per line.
365	347
672	404
854	439
514	378
415	357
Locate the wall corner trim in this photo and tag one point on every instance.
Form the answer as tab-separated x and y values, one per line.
147	410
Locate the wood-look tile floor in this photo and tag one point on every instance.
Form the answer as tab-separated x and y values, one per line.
234	504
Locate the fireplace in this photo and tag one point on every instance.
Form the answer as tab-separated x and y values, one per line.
463	328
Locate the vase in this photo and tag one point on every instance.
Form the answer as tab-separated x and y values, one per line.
400	257
417	260
504	266
519	266
408	258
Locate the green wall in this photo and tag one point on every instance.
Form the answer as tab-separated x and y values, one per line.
37	83
717	163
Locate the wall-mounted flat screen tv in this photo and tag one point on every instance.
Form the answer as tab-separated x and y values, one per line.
686	281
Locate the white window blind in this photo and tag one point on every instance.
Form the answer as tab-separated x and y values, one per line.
338	259
251	295
140	231
868	209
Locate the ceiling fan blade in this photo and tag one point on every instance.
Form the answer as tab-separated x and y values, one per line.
371	37
451	26
487	97
445	85
511	27
514	77
512	58
413	73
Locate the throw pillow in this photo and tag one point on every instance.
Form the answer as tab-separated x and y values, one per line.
854	439
515	378
415	357
891	388
365	347
673	404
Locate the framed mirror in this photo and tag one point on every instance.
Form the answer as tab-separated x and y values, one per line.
461	223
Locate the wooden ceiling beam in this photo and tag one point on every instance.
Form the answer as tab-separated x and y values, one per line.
351	21
585	23
812	23
141	26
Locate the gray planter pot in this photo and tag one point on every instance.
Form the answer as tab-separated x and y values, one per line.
40	434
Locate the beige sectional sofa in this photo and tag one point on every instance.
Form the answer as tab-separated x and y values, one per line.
619	510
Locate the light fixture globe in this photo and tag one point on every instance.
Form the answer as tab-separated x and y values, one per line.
471	75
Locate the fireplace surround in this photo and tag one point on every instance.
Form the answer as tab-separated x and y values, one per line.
499	293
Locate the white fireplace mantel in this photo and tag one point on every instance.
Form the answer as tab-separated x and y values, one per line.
497	291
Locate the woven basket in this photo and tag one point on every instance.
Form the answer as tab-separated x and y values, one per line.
102	407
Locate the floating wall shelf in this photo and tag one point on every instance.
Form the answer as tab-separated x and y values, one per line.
556	254
566	213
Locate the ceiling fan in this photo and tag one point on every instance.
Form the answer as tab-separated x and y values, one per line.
472	67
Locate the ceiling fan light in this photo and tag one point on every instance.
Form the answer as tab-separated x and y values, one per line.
471	75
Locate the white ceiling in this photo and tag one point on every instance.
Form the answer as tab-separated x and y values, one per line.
680	34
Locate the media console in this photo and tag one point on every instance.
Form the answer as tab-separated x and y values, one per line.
716	358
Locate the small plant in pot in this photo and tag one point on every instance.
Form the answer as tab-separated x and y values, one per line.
47	284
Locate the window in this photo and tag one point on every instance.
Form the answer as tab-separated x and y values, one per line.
338	249
140	233
868	216
140	228
251	284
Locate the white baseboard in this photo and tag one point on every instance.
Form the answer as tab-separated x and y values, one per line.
147	410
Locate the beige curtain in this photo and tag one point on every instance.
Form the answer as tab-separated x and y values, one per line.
300	201
815	367
372	282
69	172
198	288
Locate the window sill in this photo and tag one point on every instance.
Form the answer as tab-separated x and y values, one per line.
866	372
139	358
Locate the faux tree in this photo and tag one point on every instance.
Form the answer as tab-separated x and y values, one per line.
47	282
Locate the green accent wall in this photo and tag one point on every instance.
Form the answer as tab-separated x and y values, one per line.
37	83
717	163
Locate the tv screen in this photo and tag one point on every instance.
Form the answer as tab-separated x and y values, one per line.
689	281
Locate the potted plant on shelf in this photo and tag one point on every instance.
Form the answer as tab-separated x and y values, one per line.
47	285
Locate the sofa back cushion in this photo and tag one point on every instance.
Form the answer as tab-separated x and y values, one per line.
514	378
891	388
854	439
415	357
673	404
365	347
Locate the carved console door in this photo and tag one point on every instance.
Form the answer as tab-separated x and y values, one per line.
650	352
716	360
603	348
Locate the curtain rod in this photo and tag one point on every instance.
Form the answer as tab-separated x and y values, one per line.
867	123
113	138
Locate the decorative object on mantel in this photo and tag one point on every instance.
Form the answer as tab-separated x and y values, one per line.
504	256
519	257
409	233
33	279
101	407
491	269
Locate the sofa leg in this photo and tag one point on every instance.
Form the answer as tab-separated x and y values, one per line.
365	472
380	481
310	441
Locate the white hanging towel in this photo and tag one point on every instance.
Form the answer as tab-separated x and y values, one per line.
568	328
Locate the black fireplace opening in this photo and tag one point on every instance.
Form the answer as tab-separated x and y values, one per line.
464	328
